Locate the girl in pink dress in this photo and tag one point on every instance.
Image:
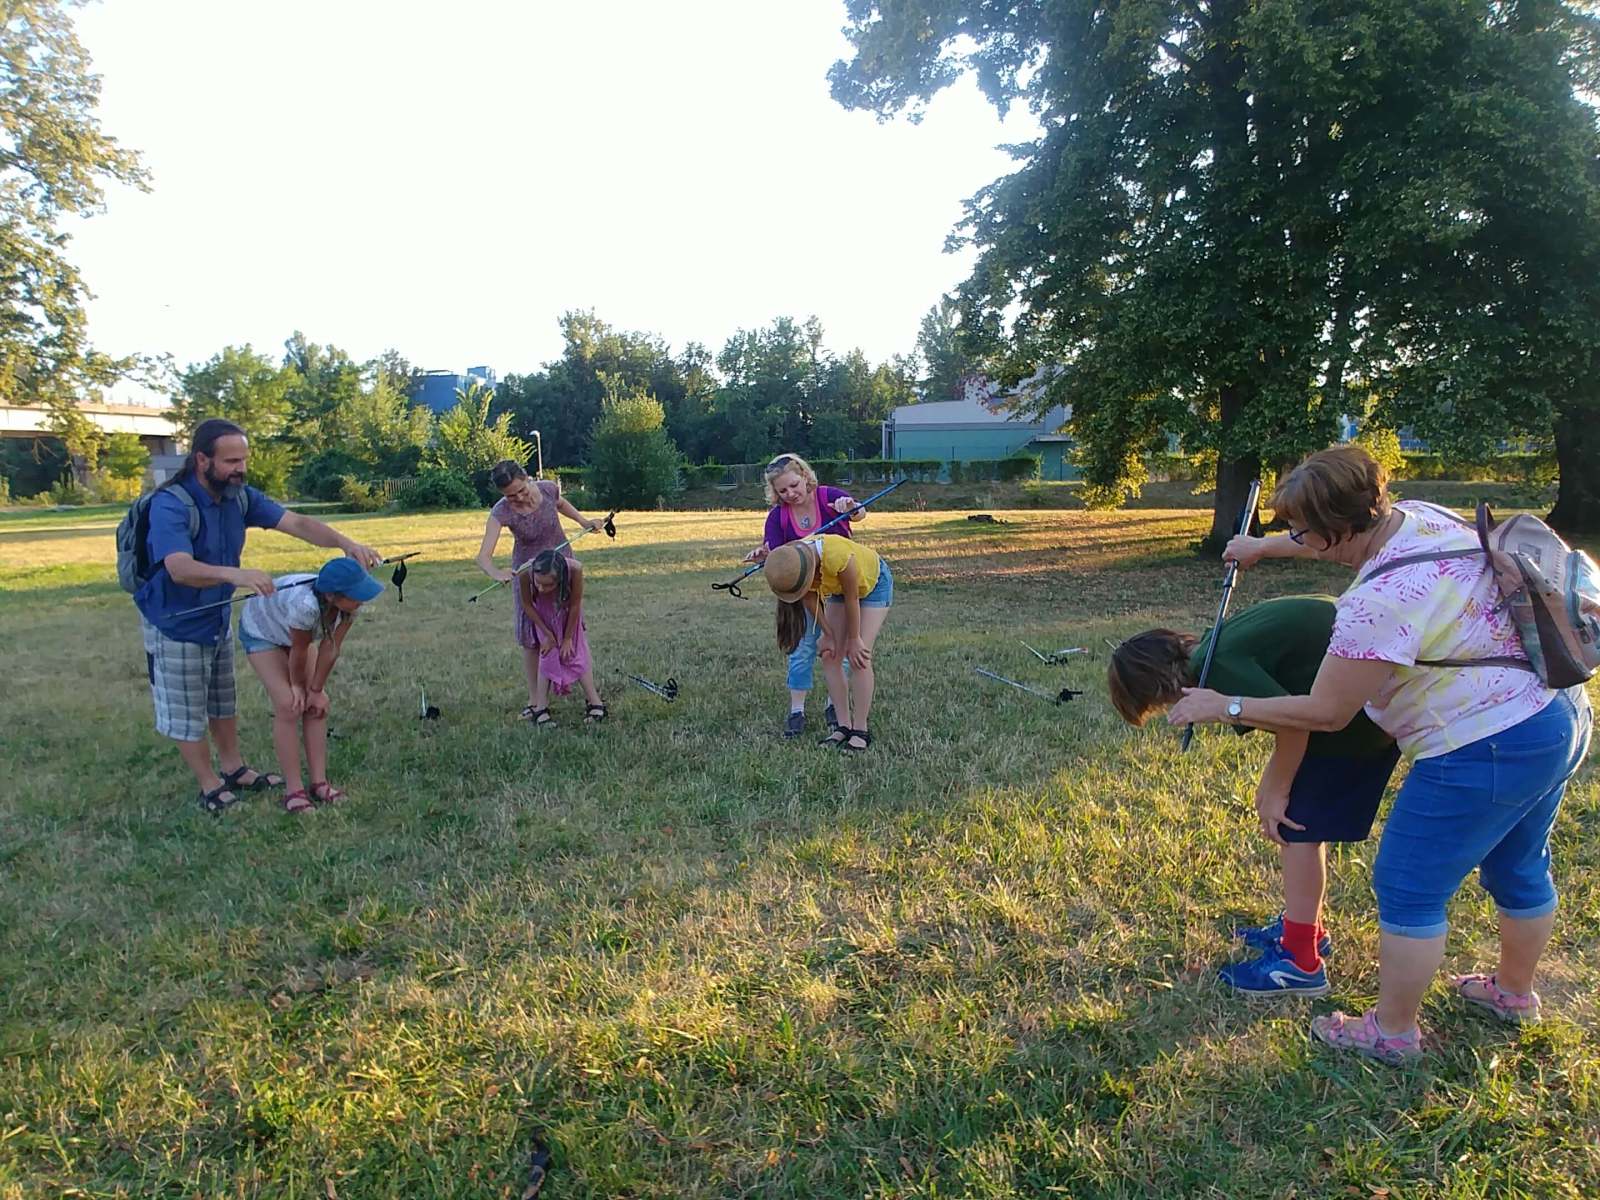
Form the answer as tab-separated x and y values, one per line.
554	604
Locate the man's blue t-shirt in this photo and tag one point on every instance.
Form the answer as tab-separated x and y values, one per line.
220	544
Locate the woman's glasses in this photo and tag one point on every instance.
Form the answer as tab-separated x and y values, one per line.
779	463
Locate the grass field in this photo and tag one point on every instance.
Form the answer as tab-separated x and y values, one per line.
698	960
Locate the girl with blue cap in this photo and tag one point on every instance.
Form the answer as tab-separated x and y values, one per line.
277	633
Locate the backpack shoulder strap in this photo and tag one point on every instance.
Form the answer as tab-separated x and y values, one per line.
1409	559
188	503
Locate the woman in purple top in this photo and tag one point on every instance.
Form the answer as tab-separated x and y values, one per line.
799	508
532	511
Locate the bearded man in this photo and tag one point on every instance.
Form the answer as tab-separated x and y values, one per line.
197	524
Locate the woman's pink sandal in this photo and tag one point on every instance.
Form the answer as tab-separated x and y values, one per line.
1362	1035
1486	993
296	802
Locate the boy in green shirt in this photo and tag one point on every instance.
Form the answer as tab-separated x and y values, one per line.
1316	788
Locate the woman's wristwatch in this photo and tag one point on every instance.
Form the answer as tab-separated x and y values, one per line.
1236	708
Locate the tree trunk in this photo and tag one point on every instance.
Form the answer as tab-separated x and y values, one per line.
1577	509
1233	480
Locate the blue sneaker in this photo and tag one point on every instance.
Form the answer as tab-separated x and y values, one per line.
1274	974
1265	937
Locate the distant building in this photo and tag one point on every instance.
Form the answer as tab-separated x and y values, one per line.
969	429
437	389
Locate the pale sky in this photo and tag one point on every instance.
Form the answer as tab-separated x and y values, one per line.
447	179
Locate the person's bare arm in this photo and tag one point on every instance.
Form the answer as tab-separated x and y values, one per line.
1342	686
318	533
485	560
1272	793
183	568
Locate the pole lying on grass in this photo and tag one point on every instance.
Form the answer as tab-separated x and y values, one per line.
609	525
667	691
732	586
1056	657
399	579
1060	697
1228	577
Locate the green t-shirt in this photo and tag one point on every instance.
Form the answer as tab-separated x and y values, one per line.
1276	649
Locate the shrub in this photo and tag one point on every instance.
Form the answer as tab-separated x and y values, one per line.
126	457
1019	467
1383	445
107	488
67	491
632	461
358	496
710	475
437	487
570	478
322	475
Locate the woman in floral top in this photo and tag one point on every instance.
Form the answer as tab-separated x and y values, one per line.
1492	748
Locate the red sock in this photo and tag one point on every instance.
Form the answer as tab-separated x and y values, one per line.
1300	941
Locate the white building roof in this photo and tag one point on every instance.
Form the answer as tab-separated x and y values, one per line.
969	414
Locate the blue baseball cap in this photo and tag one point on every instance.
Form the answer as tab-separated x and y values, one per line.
347	577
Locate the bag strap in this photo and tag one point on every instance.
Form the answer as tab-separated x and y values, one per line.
1409	559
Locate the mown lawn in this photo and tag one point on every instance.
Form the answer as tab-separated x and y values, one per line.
696	959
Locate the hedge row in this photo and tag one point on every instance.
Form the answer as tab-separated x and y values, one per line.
879	470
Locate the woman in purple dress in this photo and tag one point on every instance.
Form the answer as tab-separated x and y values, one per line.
799	507
532	511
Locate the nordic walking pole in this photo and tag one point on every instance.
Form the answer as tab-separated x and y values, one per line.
1060	697
609	525
1228	577
189	612
732	586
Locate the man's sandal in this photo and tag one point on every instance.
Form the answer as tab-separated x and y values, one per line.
835	739
325	793
593	714
263	781
296	802
539	716
218	800
852	736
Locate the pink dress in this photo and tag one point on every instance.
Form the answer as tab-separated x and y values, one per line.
562	675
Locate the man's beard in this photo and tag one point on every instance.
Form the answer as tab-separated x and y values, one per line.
223	485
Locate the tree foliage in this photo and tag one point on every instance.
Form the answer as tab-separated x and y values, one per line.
633	463
469	442
237	383
126	456
54	162
1236	210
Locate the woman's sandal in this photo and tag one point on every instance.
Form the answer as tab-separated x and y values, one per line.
593	714
263	781
835	739
213	802
325	793
855	735
296	802
539	716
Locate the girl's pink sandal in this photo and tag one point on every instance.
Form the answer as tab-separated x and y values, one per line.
1486	992
1362	1035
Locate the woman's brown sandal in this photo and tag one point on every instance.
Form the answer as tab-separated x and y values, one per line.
593	714
296	802
539	716
325	793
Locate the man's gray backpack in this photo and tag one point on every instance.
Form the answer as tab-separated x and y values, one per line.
1551	590
133	535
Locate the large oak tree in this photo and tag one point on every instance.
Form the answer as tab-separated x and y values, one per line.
1244	218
